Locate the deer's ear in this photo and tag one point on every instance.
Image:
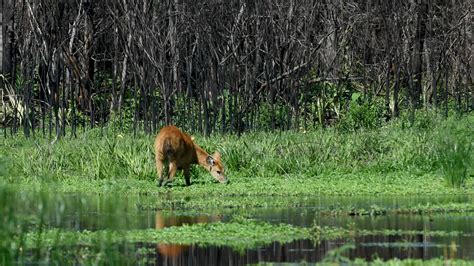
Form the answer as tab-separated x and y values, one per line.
217	156
211	161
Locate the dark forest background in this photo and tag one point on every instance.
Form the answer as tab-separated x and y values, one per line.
231	66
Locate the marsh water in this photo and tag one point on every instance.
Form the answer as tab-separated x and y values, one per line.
85	212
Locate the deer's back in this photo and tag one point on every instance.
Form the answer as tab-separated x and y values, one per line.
174	145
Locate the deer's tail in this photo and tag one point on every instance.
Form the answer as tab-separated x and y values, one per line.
168	149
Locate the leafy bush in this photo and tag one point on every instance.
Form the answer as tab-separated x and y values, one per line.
362	113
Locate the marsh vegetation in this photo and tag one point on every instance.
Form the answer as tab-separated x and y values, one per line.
345	128
328	194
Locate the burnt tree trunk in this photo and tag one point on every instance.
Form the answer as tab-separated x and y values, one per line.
7	22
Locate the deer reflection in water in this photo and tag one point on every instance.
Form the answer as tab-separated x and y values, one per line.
163	221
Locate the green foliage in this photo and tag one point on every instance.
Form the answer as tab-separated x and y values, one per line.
362	114
420	120
93	155
415	262
8	229
454	147
338	255
382	160
239	235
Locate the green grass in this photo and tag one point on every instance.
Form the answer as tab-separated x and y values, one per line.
279	169
455	151
251	193
392	160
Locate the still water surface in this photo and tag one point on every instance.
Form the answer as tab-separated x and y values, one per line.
79	212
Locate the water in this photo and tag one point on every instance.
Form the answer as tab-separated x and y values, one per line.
80	212
367	248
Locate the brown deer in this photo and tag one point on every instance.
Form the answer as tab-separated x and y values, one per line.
176	148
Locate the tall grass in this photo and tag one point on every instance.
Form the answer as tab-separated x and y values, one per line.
454	149
111	155
93	155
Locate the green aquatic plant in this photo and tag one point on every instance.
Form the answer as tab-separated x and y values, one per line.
391	262
338	255
239	235
428	208
402	262
126	246
41	241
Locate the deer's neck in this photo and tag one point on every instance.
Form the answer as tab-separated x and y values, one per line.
201	156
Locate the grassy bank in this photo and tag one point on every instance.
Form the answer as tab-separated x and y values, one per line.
392	160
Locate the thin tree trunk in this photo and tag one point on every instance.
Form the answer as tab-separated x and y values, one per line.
396	89
387	87
446	88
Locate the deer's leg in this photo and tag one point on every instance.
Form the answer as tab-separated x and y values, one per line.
159	170
187	175
172	171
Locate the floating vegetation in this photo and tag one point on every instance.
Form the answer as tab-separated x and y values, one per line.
240	234
392	262
190	205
